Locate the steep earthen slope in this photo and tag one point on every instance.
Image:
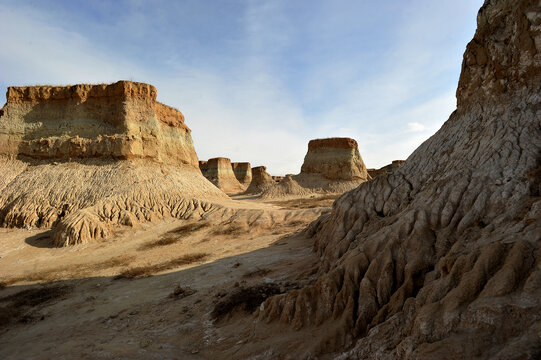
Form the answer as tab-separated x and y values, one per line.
442	258
220	172
84	158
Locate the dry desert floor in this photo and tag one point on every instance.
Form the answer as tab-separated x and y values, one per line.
175	290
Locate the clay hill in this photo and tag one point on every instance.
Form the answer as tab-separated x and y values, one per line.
331	165
81	159
243	172
261	180
219	171
441	259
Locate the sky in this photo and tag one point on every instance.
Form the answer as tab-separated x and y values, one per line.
257	79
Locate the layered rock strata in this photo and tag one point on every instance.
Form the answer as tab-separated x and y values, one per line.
332	165
243	172
121	120
441	259
84	158
334	159
261	180
220	172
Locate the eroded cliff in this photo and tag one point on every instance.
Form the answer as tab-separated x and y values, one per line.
442	257
121	120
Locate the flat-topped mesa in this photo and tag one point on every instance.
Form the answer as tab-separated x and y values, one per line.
220	172
261	180
334	159
86	159
122	120
243	172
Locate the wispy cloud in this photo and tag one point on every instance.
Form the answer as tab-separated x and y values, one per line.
415	127
257	80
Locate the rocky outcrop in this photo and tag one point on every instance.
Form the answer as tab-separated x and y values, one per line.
332	165
261	180
220	172
386	169
441	259
334	159
82	159
277	178
121	120
243	172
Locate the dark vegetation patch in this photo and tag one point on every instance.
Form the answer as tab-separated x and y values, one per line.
230	229
74	271
19	307
164	241
147	270
244	299
175	235
307	203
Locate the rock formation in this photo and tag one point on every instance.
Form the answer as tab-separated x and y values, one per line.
220	172
386	169
334	159
277	178
121	121
441	259
287	187
203	166
243	172
332	165
261	180
83	158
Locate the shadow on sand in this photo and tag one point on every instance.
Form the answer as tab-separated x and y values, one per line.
149	317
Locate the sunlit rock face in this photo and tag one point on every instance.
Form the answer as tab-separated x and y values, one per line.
441	259
83	159
331	165
121	120
334	159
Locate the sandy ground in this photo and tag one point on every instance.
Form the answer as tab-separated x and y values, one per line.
173	290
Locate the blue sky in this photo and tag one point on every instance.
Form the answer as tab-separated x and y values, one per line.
256	80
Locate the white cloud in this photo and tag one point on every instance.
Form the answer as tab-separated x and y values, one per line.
249	113
415	127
